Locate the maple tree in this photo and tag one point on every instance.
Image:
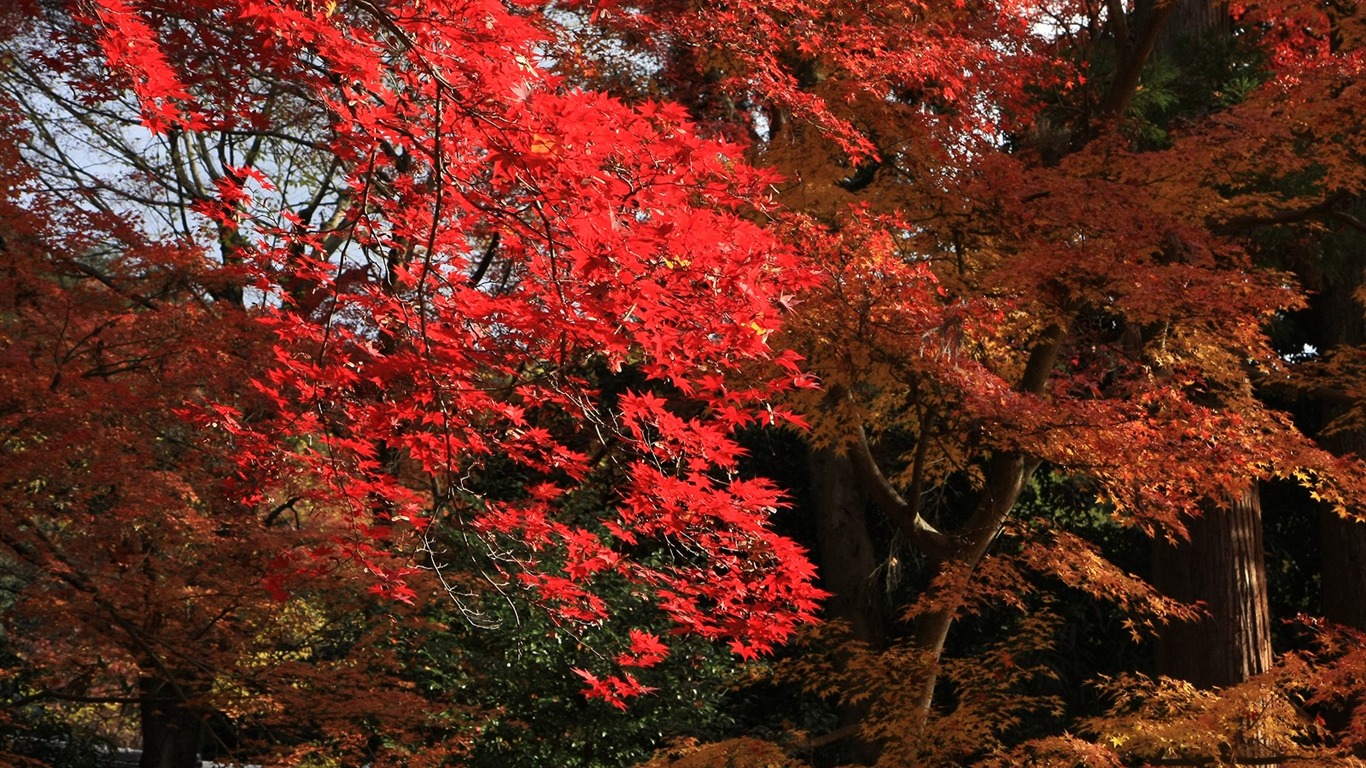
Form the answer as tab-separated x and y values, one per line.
134	571
314	279
478	293
1025	267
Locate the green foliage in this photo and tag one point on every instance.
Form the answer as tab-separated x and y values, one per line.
520	671
1195	77
513	673
38	729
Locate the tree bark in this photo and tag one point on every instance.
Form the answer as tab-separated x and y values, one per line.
958	553
1343	546
844	546
1222	566
1006	477
848	565
1189	22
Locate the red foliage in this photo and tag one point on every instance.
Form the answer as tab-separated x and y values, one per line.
479	251
1014	277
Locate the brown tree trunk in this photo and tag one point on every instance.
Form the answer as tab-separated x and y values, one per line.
848	567
959	552
1190	22
1343	546
844	547
1007	473
170	731
1221	566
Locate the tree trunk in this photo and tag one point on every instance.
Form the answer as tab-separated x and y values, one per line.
848	566
844	547
170	731
1221	566
1007	473
1342	542
958	554
1191	21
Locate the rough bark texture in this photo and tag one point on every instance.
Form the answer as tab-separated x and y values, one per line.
1221	566
1191	21
1344	569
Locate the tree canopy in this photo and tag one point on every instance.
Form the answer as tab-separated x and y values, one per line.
329	325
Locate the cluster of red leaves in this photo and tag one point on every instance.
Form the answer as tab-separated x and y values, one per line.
824	61
128	555
989	295
401	366
505	242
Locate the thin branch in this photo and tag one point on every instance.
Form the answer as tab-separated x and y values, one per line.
839	734
109	283
1325	208
1130	71
1234	760
1349	220
69	575
485	261
58	696
288	506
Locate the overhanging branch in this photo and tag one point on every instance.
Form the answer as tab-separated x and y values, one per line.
1326	208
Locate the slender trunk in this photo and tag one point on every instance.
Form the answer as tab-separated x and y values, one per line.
170	731
1134	57
959	554
1007	474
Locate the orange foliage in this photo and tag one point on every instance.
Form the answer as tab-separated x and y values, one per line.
1013	280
